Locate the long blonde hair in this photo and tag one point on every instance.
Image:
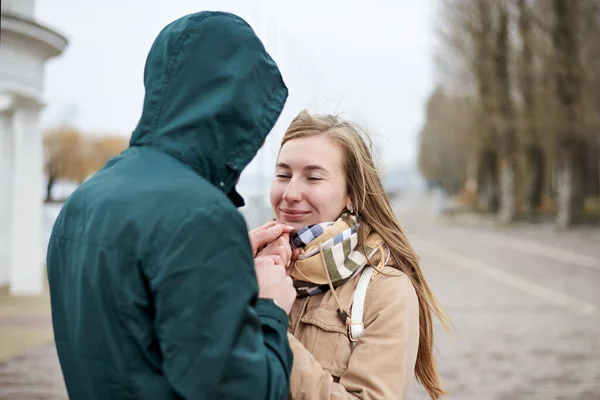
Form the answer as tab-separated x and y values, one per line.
373	208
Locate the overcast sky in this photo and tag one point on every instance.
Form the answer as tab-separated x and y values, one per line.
371	64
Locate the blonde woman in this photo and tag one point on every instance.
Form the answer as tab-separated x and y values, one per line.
327	188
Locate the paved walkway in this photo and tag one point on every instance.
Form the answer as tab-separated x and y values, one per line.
25	323
29	368
35	375
525	305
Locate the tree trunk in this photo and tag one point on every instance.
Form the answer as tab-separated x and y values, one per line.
534	154
49	186
592	176
535	178
507	186
504	111
568	91
483	70
489	181
570	185
564	218
598	166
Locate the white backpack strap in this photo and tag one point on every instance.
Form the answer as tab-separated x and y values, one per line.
357	327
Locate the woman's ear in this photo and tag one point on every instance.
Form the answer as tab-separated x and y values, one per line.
350	208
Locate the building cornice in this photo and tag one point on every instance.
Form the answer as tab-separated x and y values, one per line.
50	41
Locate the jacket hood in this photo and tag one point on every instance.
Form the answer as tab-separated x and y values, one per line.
213	94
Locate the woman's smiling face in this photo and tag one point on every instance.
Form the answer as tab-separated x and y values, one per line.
310	182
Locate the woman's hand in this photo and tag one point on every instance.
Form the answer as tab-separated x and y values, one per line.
266	234
290	267
279	247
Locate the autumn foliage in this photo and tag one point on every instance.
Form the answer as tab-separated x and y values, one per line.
72	156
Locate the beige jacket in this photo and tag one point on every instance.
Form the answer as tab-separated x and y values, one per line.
380	366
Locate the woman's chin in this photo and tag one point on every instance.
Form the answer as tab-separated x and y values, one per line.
296	225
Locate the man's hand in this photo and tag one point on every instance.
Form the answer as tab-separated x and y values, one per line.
263	235
273	282
279	247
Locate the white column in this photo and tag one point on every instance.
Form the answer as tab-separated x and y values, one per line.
6	185
27	267
20	7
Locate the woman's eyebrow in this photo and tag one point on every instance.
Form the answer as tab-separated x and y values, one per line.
315	168
312	167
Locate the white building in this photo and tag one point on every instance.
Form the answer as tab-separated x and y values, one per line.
25	46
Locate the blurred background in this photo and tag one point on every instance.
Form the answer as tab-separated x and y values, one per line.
485	120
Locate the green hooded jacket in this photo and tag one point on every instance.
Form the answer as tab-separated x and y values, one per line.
150	268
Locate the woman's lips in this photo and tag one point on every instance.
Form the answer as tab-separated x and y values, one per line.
293	215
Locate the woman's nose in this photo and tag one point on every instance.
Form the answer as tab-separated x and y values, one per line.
292	193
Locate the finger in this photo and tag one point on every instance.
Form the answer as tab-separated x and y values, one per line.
288	229
288	281
295	254
276	260
288	251
285	238
264	227
263	261
288	270
284	241
277	248
263	237
261	228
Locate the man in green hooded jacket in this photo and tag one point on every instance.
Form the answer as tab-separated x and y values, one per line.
152	278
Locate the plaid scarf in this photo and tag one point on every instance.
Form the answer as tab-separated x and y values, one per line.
331	249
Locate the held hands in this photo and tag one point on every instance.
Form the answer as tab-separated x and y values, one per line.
262	236
273	239
273	260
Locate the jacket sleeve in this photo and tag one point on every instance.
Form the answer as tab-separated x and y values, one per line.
217	340
382	363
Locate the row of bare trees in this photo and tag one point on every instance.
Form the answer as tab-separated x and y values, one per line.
73	156
517	109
